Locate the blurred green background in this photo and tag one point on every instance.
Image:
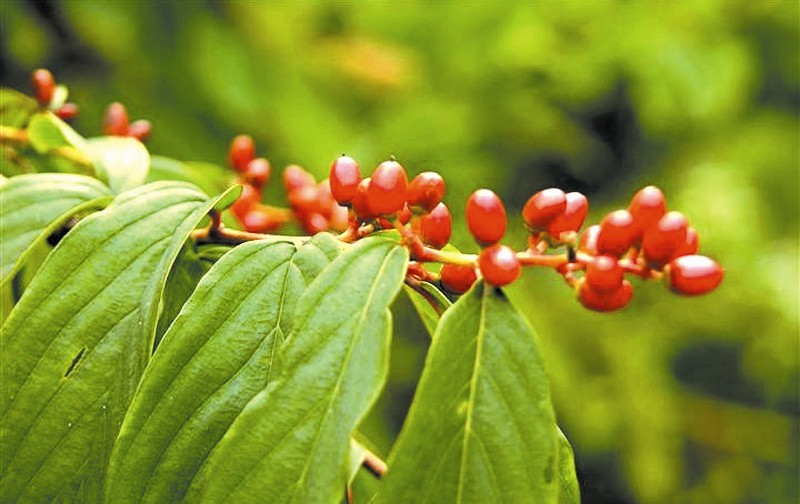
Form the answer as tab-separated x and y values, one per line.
672	399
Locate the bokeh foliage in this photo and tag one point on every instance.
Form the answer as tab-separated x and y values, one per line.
670	400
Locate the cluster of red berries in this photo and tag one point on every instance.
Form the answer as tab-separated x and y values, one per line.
51	96
116	123
645	239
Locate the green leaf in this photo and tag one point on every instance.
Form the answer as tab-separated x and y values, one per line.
569	491
74	347
47	132
215	357
424	298
291	442
481	422
16	108
120	162
33	206
209	177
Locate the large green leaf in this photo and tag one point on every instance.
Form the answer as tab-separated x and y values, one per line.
209	177
291	442
569	491
16	108
481	423
121	162
215	357
74	347
33	206
429	302
46	132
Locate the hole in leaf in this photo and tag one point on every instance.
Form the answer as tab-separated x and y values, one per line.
74	362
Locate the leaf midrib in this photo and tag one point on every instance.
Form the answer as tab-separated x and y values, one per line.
343	368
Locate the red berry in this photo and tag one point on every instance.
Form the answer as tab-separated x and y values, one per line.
693	275
258	220
44	86
435	226
605	301
140	129
387	191
257	172
325	201
249	197
662	240
404	215
359	201
499	265
571	219
486	216
345	176
295	176
457	279
647	207
588	242
543	207
304	200
314	223
115	121
617	232
690	246
241	152
67	111
604	274
426	190
339	217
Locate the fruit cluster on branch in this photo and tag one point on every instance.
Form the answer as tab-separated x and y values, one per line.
643	240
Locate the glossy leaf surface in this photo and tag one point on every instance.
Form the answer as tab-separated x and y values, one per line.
121	162
32	206
481	422
291	442
215	357
75	345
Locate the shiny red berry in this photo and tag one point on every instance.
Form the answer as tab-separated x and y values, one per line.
44	86
140	129
604	274
499	265
425	191
457	279
662	240
304	200
115	120
588	241
605	301
435	226
295	176
387	191
690	246
67	111
486	216
543	207
359	201
258	171
325	201
647	207
344	176
259	220
693	275
249	197
617	233
314	223
241	152
339	218
571	219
